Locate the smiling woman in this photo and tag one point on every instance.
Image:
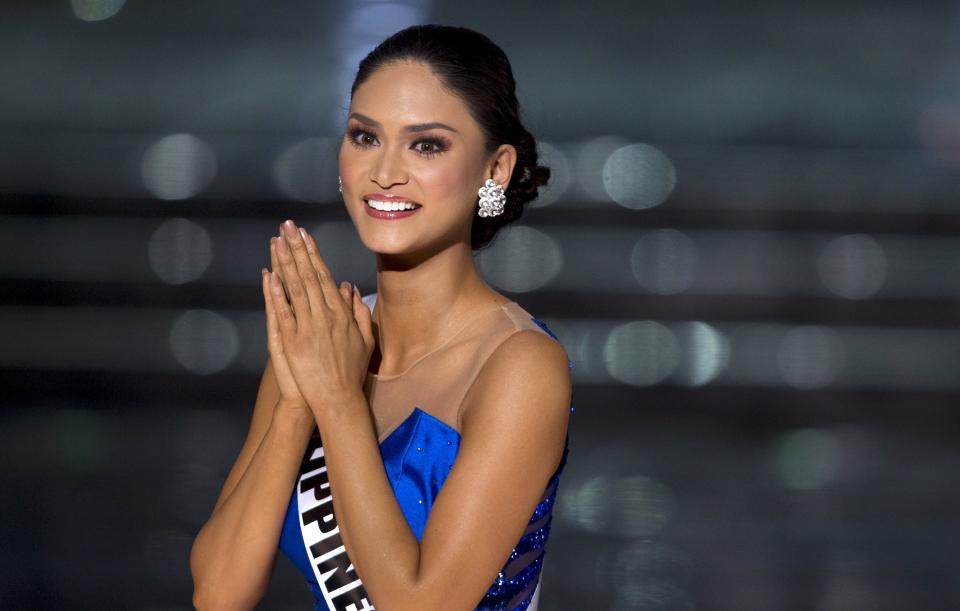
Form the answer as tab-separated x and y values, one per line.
405	447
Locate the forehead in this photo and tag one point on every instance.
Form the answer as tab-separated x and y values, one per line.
406	92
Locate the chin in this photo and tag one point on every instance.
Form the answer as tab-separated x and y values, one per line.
386	245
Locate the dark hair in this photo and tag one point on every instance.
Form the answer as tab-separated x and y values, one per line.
474	68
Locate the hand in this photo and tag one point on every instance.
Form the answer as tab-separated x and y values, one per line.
291	400
325	331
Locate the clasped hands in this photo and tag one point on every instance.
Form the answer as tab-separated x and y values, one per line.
319	335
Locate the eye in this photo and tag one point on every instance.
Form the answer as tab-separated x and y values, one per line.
353	134
425	147
435	146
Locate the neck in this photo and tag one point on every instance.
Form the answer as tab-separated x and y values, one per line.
422	301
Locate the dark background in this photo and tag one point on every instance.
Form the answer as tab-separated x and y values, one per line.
750	248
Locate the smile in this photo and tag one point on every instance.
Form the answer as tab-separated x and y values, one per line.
390	210
391	206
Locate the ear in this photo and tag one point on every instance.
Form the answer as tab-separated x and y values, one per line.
502	162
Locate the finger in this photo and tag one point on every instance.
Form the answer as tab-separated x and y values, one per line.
274	260
346	296
308	273
274	339
362	314
346	292
290	276
327	282
283	313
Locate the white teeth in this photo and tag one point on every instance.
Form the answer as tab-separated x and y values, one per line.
390	206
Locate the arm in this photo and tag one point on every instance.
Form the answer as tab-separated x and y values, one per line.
233	554
514	423
267	396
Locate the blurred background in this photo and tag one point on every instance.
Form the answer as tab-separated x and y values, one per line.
750	248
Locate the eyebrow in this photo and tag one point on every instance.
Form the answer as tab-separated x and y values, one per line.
418	127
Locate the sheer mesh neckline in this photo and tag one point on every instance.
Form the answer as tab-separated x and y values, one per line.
393	376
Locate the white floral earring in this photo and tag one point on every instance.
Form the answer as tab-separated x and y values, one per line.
339	185
492	198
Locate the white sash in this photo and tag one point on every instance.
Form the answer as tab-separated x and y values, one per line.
334	571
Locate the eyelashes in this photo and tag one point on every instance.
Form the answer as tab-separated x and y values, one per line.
438	146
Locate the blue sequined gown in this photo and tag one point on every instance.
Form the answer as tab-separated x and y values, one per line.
417	419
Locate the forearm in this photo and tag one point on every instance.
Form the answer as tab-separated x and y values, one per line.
374	530
232	555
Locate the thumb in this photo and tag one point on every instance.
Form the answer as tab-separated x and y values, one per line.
363	317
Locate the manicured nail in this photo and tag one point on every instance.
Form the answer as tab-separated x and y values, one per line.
282	245
290	228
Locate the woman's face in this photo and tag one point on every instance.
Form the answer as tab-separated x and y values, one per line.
391	148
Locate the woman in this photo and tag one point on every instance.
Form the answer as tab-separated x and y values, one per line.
422	428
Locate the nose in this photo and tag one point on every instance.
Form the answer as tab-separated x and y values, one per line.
387	169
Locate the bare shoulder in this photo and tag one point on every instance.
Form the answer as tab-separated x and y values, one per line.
532	351
527	376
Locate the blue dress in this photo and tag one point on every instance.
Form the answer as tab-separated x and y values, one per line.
418	453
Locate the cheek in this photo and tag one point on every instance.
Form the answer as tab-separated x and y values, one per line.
450	184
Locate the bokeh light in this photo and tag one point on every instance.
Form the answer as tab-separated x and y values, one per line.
203	341
521	259
852	266
807	459
591	159
632	505
810	356
180	251
178	166
639	176
706	352
306	171
664	261
641	352
96	10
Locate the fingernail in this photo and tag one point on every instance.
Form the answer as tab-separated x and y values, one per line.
303	234
282	245
290	228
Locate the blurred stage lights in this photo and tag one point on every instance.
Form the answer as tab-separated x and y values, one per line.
631	506
95	10
306	171
810	356
664	261
178	166
180	251
705	355
638	176
634	175
644	575
203	341
807	459
641	353
521	259
852	266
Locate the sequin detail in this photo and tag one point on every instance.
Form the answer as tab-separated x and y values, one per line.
504	592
